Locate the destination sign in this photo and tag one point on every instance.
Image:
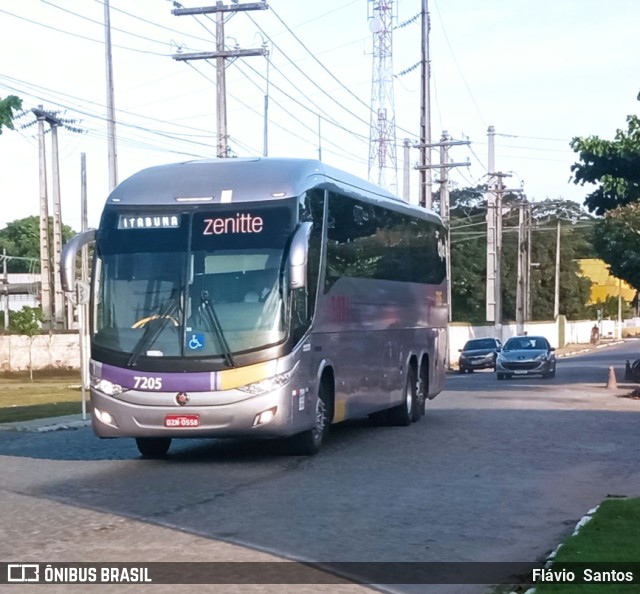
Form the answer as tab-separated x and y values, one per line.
148	221
240	223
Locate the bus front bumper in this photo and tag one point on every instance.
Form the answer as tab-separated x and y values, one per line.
275	414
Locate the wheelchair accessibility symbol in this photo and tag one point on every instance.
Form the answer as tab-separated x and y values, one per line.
195	341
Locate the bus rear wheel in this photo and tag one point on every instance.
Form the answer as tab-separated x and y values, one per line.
309	442
153	447
403	414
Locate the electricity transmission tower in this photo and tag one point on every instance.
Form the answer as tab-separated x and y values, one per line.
383	163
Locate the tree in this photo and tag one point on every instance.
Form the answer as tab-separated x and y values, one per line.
468	257
27	322
575	243
614	165
7	106
468	254
617	240
21	239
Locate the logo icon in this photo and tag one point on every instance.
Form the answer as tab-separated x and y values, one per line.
182	399
196	341
23	572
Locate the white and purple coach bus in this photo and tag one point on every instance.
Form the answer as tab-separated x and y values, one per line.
260	298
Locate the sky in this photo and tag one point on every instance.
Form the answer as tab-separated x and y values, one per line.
540	71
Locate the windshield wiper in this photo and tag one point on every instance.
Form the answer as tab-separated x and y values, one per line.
214	323
154	328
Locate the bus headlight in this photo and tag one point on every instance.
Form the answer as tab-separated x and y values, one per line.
105	386
267	385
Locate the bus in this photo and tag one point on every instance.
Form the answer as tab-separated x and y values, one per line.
260	298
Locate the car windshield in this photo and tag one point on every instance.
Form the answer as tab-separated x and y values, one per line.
520	343
481	343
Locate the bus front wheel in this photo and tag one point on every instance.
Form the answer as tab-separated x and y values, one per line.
153	447
308	443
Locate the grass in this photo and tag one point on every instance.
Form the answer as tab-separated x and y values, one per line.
612	536
48	395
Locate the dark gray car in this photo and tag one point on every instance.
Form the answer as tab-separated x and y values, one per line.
526	355
479	353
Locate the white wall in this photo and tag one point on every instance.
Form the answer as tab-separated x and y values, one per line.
48	351
574	333
61	351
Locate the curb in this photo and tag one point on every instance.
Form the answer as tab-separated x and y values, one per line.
549	562
589	349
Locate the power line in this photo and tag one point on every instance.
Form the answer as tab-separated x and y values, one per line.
80	36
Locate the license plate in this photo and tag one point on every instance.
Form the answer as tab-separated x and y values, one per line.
182	421
520	372
476	362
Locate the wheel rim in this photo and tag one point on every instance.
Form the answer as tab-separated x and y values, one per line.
408	397
318	429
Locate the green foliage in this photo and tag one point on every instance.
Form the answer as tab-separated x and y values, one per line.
27	321
609	309
7	106
21	239
617	241
468	257
613	165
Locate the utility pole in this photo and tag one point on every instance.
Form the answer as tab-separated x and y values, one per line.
221	56
556	301
45	262
491	231
494	250
445	165
406	170
521	266
499	193
111	113
59	317
495	194
527	262
82	300
53	310
425	111
265	140
5	280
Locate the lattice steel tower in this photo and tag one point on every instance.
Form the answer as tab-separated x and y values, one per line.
383	164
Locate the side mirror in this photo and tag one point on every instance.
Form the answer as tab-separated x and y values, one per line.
459	350
298	256
68	258
552	349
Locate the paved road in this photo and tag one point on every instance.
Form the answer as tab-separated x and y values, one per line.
496	471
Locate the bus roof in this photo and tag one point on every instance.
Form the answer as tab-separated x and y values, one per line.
247	180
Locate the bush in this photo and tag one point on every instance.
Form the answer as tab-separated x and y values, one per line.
27	321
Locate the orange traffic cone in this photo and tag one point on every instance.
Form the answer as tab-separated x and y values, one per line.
612	384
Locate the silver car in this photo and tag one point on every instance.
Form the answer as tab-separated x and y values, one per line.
526	355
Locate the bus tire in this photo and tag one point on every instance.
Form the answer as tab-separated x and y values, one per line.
403	414
309	442
153	447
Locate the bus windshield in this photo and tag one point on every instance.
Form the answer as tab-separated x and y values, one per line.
203	284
